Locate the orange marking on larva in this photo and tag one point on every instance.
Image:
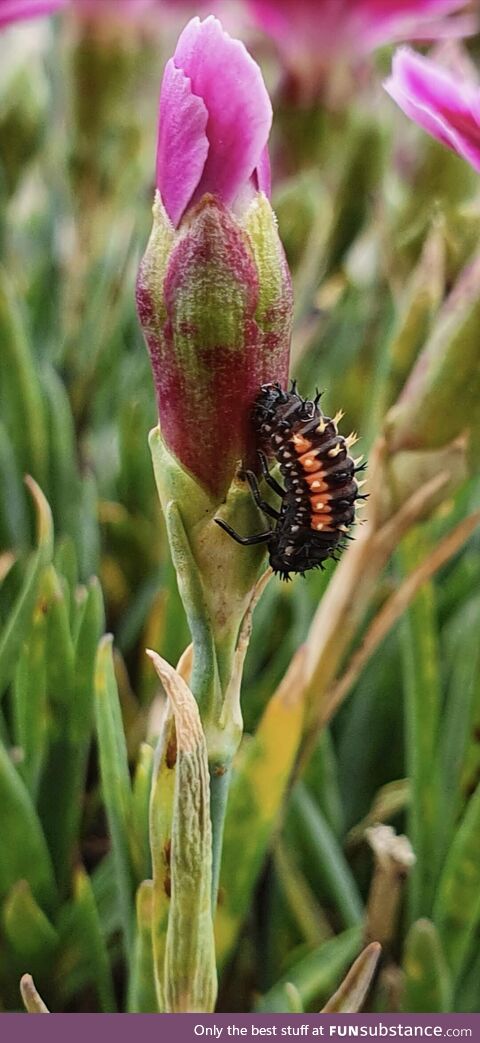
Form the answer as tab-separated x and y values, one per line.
321	524
309	461
302	445
319	503
316	481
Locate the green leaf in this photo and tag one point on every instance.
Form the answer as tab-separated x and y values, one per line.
422	706
29	932
69	751
83	956
105	892
456	911
26	855
17	626
457	736
321	779
428	986
57	799
301	901
426	416
141	791
420	300
259	785
142	992
44	518
316	976
14	523
327	865
20	386
30	703
115	781
64	475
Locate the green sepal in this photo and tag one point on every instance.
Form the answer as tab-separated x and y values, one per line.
215	577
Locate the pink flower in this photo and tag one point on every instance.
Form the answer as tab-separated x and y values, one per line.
215	118
445	107
117	10
313	35
94	10
20	10
213	293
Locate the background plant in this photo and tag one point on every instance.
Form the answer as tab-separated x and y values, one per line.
380	226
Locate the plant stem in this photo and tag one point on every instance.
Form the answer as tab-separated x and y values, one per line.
219	786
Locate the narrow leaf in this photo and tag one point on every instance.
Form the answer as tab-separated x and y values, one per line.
161	812
23	395
25	856
29	932
142	992
456	911
30	702
32	1002
190	972
422	705
141	790
16	628
428	986
258	790
94	942
316	975
115	780
326	866
351	995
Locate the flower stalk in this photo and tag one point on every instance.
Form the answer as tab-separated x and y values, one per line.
215	302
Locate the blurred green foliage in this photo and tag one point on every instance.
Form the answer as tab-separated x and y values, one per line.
374	252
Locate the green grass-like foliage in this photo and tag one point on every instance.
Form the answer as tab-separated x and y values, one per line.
83	552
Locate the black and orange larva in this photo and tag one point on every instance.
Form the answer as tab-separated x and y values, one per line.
318	501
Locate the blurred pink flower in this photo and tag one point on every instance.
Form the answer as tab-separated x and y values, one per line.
312	35
118	10
215	118
95	10
21	10
446	106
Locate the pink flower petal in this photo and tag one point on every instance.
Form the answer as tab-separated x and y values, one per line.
230	83
447	109
20	10
385	22
183	146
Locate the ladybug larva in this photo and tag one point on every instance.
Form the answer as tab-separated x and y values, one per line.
318	502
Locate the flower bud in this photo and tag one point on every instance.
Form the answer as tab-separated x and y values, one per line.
440	399
214	292
215	303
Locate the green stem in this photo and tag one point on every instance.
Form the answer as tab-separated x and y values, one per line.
219	787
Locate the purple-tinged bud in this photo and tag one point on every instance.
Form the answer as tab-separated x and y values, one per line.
214	293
